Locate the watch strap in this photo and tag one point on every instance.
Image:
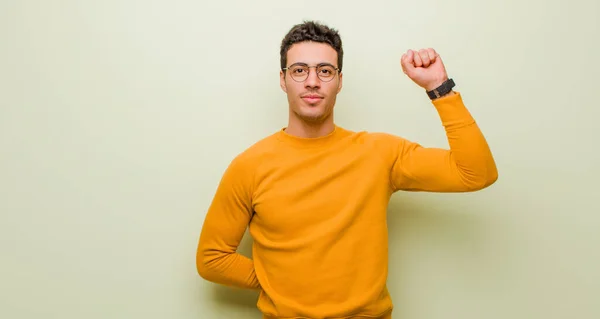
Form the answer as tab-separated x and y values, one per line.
441	90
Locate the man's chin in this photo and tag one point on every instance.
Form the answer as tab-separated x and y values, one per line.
313	117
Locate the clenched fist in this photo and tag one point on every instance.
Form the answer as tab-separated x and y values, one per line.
424	67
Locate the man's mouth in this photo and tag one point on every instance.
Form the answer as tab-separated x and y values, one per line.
312	98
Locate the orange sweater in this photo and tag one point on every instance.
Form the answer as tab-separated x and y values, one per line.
316	210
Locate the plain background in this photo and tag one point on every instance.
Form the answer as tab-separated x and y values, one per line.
117	119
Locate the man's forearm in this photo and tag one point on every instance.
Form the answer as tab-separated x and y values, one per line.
231	269
470	152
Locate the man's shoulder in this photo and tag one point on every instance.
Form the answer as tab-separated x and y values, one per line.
374	138
258	151
384	145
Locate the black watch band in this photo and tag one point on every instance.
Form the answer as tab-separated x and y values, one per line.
441	90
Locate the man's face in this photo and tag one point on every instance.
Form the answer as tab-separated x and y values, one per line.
311	100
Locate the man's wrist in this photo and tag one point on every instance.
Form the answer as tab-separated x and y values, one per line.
434	85
441	90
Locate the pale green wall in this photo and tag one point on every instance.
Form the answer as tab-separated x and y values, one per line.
117	119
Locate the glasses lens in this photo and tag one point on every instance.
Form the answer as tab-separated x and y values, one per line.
326	72
299	72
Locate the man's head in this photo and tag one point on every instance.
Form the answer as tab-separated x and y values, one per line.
311	71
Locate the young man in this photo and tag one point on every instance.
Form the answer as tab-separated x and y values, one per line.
314	195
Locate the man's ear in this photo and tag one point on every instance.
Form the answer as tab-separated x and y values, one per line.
282	81
340	82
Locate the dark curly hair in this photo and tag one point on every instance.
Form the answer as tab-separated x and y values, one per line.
311	31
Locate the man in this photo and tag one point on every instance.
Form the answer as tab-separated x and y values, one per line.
314	195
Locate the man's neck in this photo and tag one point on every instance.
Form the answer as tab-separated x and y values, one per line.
310	130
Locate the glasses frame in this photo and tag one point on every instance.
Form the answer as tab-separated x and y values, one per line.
310	67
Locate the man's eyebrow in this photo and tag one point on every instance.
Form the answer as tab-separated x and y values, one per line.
318	64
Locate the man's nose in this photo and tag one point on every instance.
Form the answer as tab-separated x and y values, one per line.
312	80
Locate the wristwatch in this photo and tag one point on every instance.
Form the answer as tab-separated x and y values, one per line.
441	90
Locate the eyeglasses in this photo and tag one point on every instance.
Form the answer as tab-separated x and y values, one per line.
300	71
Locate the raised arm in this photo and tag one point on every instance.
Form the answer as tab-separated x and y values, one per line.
224	226
468	165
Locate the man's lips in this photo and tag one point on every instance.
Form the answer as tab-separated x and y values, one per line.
312	98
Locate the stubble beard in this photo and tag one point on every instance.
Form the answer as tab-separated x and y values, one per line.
313	118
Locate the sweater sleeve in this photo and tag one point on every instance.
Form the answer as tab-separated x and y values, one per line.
224	226
468	165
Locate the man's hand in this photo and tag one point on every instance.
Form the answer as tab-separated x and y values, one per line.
424	67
